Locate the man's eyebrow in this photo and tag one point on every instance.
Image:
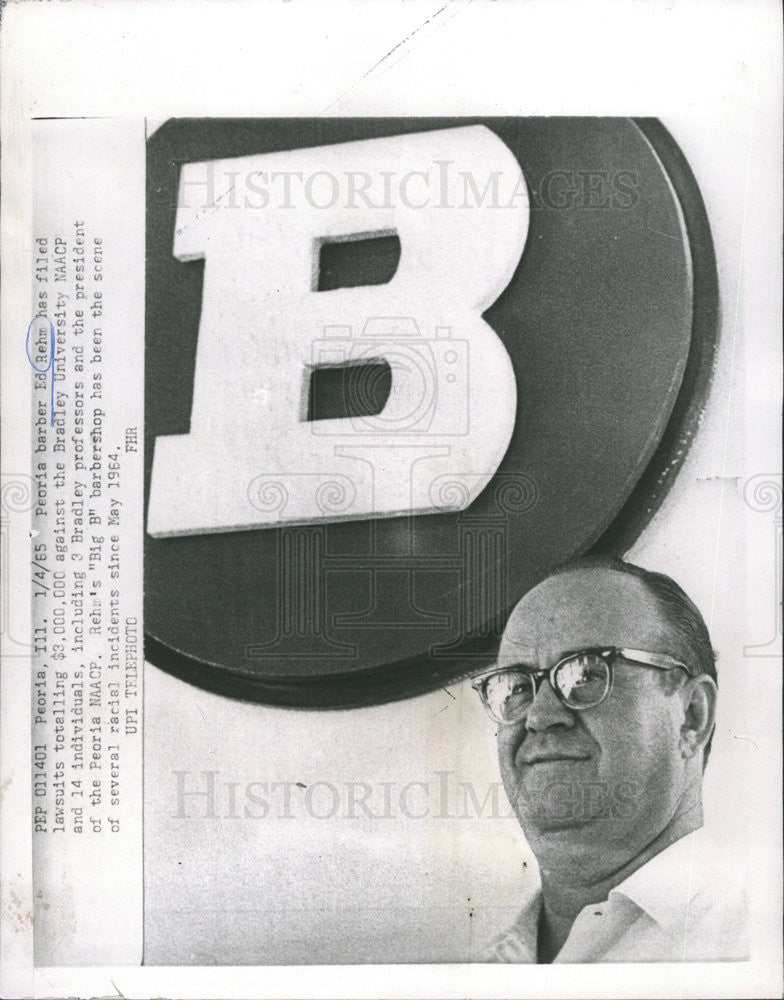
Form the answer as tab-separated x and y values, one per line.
523	666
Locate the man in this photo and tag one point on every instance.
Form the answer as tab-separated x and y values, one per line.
604	694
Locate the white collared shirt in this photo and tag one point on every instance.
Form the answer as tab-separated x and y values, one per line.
687	904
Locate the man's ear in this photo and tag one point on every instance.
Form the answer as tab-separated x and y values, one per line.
699	707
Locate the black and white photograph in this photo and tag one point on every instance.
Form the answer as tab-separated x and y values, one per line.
391	499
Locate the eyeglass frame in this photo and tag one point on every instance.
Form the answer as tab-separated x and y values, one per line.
643	658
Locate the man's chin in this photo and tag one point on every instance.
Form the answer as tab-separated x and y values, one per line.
546	824
552	807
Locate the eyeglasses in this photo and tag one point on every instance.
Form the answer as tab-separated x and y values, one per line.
580	680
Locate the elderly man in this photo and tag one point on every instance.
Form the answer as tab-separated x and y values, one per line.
604	694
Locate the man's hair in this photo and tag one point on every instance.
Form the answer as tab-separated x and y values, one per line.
680	612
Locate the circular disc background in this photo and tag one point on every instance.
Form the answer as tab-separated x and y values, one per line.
610	321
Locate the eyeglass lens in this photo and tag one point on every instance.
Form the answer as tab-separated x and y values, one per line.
581	681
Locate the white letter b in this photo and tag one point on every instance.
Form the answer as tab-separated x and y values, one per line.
252	458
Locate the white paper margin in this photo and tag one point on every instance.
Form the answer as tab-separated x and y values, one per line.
712	62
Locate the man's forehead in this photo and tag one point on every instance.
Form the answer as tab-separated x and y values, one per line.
580	608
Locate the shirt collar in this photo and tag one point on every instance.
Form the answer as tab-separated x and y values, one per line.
519	943
664	886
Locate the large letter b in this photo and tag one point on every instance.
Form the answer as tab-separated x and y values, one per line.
255	455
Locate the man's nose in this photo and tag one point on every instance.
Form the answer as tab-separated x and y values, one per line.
547	710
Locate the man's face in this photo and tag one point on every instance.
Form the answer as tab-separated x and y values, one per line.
610	776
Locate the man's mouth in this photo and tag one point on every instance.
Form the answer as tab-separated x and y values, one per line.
549	758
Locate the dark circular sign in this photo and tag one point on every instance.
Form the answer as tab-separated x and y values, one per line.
610	320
